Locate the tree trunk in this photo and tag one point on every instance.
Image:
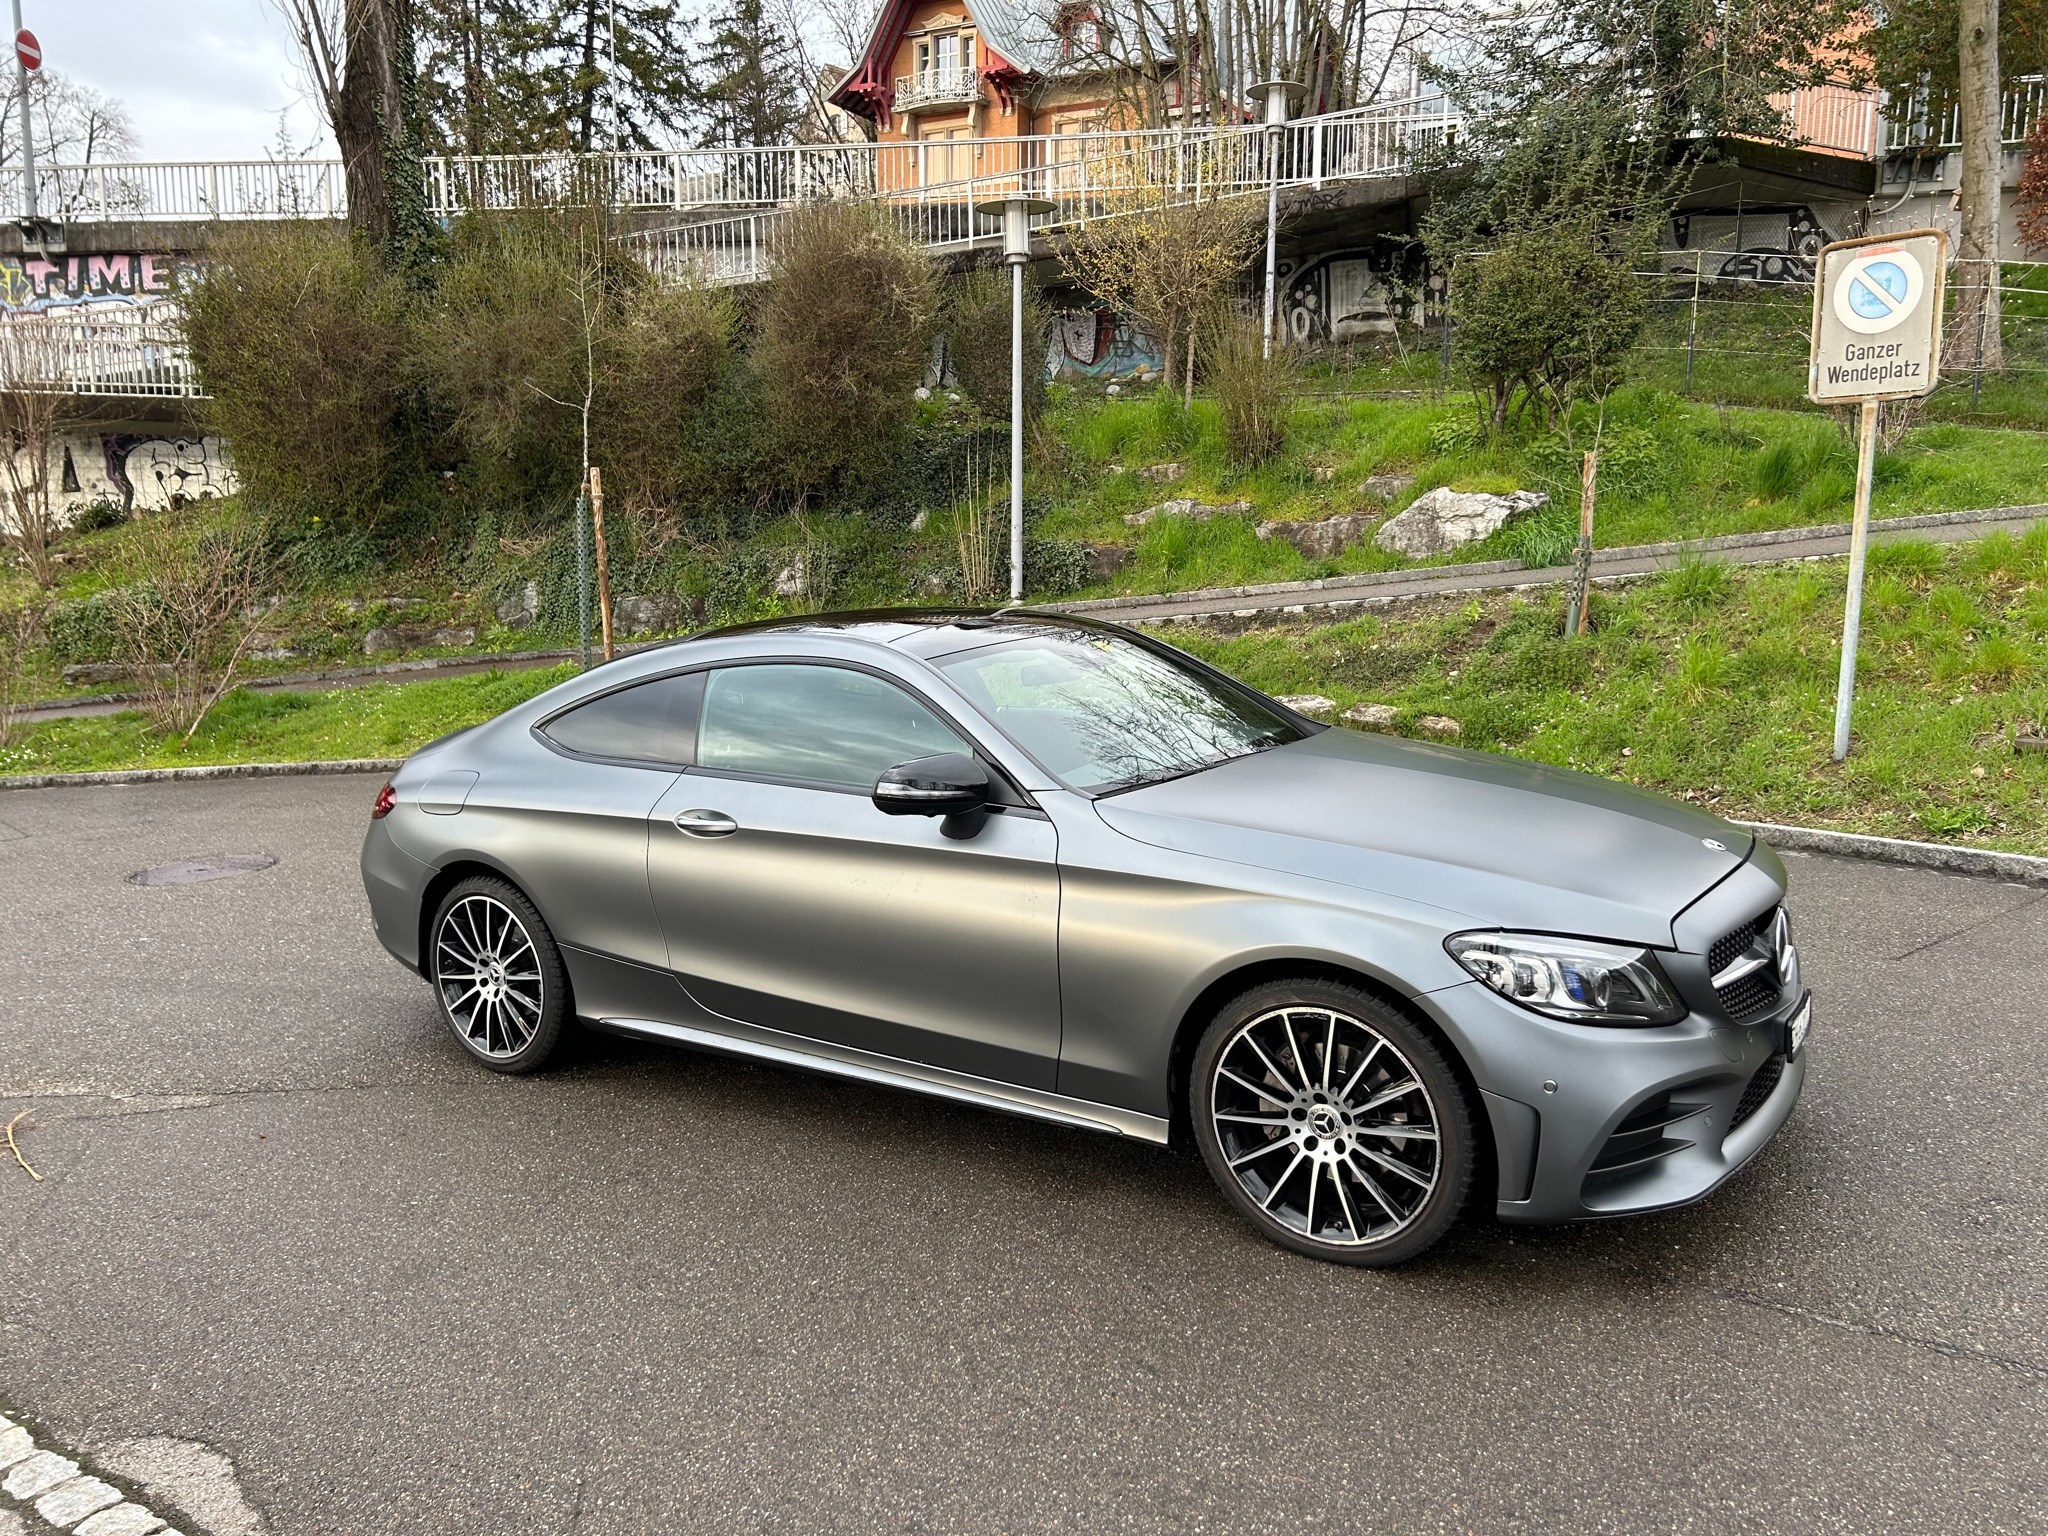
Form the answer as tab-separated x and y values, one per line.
588	79
1977	342
370	107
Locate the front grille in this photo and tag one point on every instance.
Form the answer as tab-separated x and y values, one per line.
1756	994
1729	947
1760	1088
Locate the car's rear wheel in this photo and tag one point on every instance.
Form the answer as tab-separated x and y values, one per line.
498	975
1332	1122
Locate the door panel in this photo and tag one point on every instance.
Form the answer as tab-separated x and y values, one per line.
818	915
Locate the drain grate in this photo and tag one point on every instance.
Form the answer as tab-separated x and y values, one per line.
217	866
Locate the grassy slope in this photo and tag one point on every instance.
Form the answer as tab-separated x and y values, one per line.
1712	682
1718	684
376	720
1693	471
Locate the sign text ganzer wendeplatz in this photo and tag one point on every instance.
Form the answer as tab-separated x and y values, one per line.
1877	317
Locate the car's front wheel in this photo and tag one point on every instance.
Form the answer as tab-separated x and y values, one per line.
499	977
1332	1122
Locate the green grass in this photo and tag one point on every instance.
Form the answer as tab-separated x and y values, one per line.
1670	469
1717	683
375	720
1712	682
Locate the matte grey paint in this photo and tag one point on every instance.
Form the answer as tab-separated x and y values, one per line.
1050	962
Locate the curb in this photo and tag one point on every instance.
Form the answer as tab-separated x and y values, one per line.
217	771
1989	863
1366	581
2023	868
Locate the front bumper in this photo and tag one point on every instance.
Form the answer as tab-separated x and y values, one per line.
1607	1122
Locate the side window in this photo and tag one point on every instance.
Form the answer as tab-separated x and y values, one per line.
827	725
653	722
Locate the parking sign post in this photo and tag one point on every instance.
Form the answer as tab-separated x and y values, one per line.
1876	337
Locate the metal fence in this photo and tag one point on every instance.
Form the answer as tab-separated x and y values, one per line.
1915	122
1089	176
1374	139
130	351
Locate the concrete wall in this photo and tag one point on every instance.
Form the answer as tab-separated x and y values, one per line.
139	466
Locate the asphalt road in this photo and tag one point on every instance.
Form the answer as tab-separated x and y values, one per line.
652	1291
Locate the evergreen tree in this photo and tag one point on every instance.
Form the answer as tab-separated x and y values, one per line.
539	76
750	78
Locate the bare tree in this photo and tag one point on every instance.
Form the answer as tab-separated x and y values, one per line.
358	58
186	622
76	128
1977	342
30	409
21	630
1163	252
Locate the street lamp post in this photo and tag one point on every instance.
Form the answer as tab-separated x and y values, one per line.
1015	211
1279	96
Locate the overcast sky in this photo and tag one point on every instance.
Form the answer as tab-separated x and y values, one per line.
201	79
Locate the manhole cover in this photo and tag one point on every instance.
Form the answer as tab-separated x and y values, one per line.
218	866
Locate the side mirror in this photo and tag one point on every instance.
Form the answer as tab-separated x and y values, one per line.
950	784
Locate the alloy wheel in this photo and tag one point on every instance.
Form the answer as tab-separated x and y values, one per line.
489	976
1325	1125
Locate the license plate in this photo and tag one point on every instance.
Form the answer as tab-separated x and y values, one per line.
1797	1025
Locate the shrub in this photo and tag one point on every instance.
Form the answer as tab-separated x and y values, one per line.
845	327
976	323
502	347
1252	391
301	340
183	626
668	358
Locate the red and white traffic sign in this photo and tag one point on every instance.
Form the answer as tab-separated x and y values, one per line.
28	50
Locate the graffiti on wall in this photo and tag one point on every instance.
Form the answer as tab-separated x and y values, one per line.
137	471
60	282
1098	344
1350	294
1771	244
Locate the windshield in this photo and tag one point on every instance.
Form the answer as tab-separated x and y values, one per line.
1101	712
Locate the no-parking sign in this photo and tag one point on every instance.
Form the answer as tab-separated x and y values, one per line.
1877	317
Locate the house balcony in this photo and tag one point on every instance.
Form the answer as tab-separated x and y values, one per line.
938	88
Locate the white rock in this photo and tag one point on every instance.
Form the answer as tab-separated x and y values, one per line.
792	580
1163	474
15	1445
121	1520
921	393
38	1474
1371	717
1441	726
1309	703
1442	520
71	1502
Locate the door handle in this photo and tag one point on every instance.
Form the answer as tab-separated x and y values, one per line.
706	823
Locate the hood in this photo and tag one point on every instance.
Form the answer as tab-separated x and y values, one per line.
1505	843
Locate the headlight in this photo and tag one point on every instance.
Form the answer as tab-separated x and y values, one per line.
1580	980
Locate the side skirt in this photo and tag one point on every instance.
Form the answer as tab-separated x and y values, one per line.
889	1072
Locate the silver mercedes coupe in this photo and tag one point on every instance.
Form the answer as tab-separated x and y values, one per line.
1056	867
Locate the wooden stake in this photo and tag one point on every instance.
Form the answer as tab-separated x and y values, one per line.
604	576
1589	471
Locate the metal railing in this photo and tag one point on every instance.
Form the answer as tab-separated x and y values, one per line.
102	350
1091	175
1915	122
682	180
937	87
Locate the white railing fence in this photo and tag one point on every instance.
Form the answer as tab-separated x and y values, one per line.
1915	122
1085	176
111	349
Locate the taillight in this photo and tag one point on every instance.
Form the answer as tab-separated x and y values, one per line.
387	797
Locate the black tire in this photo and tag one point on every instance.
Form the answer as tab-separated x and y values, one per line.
1361	1172
508	1014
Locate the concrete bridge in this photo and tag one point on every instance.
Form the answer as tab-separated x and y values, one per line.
95	289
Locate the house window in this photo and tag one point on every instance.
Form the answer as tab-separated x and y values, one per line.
947	56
